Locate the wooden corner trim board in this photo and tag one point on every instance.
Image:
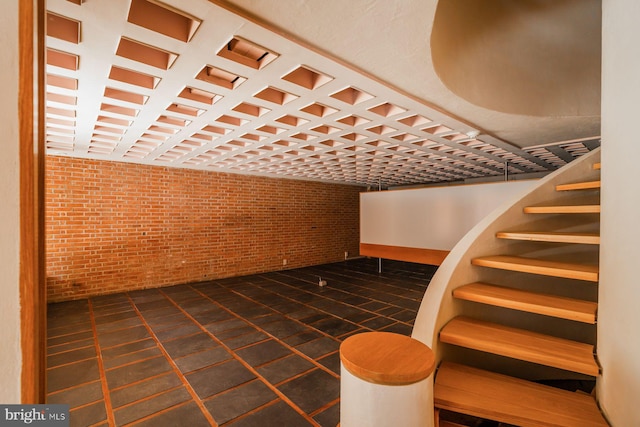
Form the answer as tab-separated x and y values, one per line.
31	151
403	253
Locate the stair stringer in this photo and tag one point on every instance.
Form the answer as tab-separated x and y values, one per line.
438	305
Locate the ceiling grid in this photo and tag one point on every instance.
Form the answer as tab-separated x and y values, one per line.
192	85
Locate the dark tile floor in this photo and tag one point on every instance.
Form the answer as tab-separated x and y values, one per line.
259	350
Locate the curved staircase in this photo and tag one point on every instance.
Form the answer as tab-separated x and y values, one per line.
518	309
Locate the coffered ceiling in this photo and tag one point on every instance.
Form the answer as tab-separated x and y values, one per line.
190	84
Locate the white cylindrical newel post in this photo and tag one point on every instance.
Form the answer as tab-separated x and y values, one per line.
385	381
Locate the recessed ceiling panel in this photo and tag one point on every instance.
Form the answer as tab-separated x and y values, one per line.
190	84
163	19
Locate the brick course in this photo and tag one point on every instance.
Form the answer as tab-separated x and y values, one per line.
112	226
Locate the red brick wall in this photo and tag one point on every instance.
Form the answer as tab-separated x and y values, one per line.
114	226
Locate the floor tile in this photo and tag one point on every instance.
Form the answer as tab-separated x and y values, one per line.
398	328
263	352
144	389
331	361
187	345
202	359
285	368
113	352
329	417
69	328
122	336
184	415
78	396
378	323
71	356
73	374
124	359
168	322
318	348
212	316
309	335
334	326
225	325
284	328
154	305
213	380
232	333
124	375
69	338
312	391
277	415
118	324
115	317
229	405
61	348
245	340
181	331
150	406
88	415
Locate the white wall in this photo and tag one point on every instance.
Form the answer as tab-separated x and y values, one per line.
432	217
619	297
10	355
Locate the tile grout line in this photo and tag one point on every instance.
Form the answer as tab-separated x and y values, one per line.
62	390
153	377
325	407
251	412
162	411
390	281
338	277
103	376
149	397
256	291
264	331
299	321
68	351
175	368
333	301
238	358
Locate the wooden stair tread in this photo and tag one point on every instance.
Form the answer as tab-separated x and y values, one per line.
511	400
597	166
551	236
542	267
563	209
521	344
531	302
586	185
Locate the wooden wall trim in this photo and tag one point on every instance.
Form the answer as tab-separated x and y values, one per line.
402	253
31	125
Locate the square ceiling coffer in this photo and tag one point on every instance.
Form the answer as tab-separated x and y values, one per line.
133	77
307	78
145	54
217	76
63	28
247	53
163	19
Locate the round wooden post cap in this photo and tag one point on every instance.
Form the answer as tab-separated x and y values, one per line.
387	358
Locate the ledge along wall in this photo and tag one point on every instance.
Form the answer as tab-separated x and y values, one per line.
114	227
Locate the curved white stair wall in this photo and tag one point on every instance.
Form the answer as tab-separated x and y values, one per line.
438	305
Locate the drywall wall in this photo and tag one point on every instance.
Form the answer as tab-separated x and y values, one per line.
618	314
533	57
114	227
430	218
10	354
